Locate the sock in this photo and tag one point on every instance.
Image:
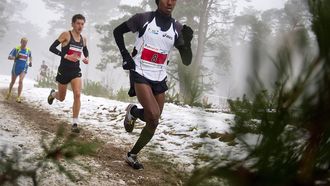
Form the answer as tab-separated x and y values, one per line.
143	140
53	94
137	113
74	120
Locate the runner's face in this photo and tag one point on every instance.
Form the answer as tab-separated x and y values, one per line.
23	43
167	6
78	25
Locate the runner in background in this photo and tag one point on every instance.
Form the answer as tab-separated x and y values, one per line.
22	58
74	47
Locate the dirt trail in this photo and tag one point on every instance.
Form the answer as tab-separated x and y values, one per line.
113	170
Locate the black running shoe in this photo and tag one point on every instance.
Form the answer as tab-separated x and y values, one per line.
75	128
50	97
132	161
129	121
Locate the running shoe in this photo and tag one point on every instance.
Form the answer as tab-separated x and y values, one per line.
129	121
131	160
19	100
8	96
75	128
50	97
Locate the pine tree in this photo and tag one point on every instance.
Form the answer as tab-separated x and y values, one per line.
291	123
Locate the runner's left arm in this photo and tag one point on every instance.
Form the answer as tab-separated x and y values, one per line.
85	52
85	49
183	44
30	58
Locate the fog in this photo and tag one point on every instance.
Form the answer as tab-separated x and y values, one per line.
43	20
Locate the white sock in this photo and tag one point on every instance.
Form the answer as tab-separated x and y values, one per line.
74	120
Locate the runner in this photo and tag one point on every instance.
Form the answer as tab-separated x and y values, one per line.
43	70
73	46
22	58
157	33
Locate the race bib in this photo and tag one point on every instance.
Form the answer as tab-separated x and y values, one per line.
75	50
22	57
153	55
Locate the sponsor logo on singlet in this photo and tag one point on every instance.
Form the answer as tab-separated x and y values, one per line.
168	36
156	32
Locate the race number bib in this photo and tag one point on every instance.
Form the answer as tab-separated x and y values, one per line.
75	50
22	57
153	55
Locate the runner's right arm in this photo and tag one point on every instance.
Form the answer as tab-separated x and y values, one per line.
63	39
128	62
53	47
134	24
12	55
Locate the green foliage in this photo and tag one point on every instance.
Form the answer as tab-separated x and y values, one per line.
291	126
47	81
94	88
122	95
249	114
64	148
172	96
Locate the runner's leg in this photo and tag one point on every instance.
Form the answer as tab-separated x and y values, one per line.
61	93
160	98
76	88
151	115
13	80
20	84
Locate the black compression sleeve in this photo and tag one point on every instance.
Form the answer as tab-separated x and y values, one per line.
119	37
186	54
53	48
85	51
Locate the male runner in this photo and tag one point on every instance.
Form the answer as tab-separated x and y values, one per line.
157	33
20	55
73	46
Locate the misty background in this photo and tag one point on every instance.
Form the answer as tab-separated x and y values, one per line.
222	52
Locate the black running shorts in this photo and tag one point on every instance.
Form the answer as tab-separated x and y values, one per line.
65	77
157	87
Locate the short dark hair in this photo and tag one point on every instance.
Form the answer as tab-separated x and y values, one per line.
157	2
78	16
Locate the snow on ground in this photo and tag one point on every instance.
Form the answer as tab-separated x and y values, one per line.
17	134
179	135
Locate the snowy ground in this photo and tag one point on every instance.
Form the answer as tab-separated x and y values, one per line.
183	133
18	134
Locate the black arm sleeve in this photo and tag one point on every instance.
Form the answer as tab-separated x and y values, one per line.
53	48
119	37
186	54
85	51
